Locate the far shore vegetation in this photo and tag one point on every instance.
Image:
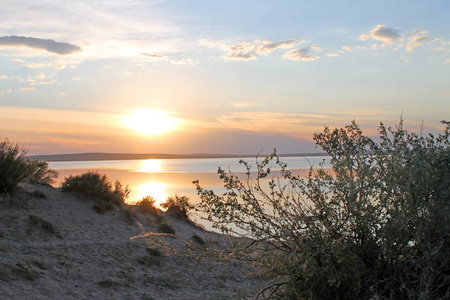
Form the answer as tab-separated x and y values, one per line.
374	226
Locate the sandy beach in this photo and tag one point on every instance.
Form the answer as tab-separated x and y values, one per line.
53	245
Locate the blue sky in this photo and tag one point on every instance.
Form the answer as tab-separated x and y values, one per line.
238	76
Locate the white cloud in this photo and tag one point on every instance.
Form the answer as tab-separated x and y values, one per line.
39	44
382	33
6	91
27	89
300	54
3	76
332	54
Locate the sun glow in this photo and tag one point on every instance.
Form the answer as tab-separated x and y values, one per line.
154	189
150	122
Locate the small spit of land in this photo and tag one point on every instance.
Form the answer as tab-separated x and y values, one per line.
53	245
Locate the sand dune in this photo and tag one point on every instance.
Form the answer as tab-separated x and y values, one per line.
58	247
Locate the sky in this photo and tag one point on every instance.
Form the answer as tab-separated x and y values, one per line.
217	76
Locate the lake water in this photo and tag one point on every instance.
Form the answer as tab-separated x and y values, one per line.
161	178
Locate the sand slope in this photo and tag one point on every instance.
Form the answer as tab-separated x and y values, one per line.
58	247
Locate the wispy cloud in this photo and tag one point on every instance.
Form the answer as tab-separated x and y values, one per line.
27	89
249	50
267	46
417	38
37	65
302	54
240	56
154	57
39	44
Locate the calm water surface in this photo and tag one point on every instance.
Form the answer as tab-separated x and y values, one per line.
161	178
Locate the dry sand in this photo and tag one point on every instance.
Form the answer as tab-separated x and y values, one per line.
58	247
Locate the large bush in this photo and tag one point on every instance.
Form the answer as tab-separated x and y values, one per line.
376	226
15	167
97	187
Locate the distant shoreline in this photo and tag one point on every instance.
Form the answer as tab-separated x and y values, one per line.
131	156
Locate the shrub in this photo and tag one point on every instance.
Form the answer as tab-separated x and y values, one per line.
97	187
177	206
15	167
40	173
147	206
376	227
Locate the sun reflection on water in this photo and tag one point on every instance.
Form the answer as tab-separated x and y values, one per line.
154	189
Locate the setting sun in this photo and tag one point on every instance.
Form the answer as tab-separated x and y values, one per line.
150	122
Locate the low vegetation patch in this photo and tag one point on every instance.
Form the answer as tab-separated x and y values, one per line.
97	187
